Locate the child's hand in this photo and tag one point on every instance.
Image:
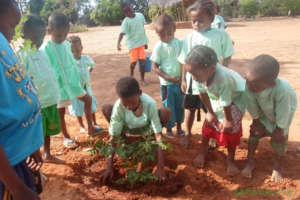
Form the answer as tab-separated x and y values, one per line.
174	79
119	47
160	174
107	175
35	161
256	128
227	126
278	136
183	87
146	46
91	69
211	119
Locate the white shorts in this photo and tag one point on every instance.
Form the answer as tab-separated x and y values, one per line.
66	103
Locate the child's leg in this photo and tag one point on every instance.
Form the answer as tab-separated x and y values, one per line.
179	110
79	118
232	169
47	157
64	131
199	161
164	115
168	101
143	69
190	120
94	119
252	146
279	151
88	112
132	66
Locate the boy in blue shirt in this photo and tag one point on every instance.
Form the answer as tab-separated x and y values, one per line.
20	126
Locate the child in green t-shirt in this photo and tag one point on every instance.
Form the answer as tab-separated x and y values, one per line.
136	40
38	66
65	68
134	113
166	66
272	103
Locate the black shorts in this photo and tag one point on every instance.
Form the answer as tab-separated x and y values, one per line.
193	102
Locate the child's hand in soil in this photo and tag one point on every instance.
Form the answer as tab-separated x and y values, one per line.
161	174
256	128
107	176
35	161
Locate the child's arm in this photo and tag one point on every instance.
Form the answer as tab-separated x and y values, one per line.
160	173
183	79
13	183
108	174
211	117
160	73
226	61
119	41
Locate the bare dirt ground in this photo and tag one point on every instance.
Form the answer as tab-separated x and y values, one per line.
79	178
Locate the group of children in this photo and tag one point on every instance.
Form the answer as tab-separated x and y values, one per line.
193	75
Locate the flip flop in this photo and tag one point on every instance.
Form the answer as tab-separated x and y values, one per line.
70	144
181	133
169	135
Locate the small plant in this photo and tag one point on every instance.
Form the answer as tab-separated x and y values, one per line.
135	156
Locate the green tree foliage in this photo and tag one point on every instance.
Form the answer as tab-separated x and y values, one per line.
107	12
293	6
249	8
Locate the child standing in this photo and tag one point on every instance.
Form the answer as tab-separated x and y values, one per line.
166	66
64	66
85	66
136	40
219	21
202	14
134	113
38	67
272	103
21	133
223	93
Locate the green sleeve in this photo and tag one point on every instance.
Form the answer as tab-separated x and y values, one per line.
227	46
184	51
156	56
253	107
90	63
117	120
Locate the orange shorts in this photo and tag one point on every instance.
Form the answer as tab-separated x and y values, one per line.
137	54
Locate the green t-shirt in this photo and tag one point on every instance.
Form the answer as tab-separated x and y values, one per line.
165	55
216	39
134	31
227	87
218	23
122	117
39	68
65	69
274	107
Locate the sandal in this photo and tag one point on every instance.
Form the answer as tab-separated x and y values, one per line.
70	144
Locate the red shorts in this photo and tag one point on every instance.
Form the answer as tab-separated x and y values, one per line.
137	54
226	139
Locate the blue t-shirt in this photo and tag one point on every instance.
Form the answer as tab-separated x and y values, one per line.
20	113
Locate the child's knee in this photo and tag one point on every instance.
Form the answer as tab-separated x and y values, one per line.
107	110
165	115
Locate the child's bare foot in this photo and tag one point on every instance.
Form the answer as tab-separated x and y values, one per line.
143	83
276	176
180	133
199	161
247	171
170	134
232	169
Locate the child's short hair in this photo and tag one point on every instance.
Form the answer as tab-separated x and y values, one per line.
74	40
265	67
125	4
202	57
58	21
207	6
164	21
127	87
32	23
7	4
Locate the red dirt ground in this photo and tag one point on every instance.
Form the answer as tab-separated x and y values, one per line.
79	178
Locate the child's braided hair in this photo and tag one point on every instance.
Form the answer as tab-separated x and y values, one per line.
207	6
202	57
